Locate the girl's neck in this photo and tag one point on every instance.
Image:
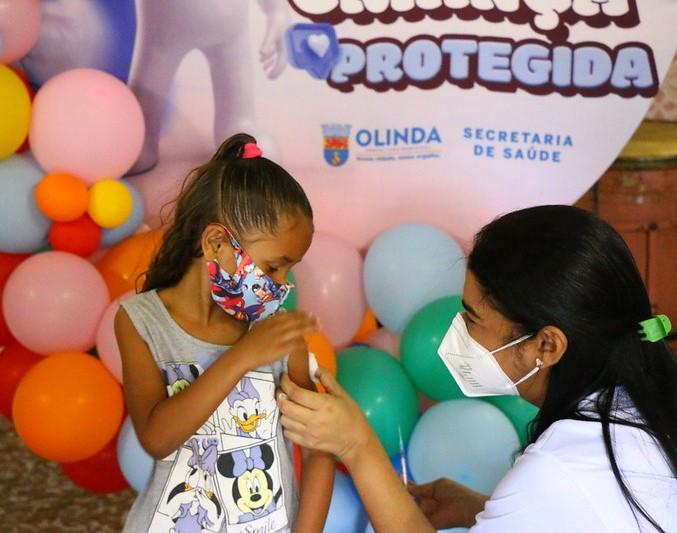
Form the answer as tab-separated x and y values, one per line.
190	304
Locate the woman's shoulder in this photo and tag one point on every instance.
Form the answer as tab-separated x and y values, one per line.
575	442
538	494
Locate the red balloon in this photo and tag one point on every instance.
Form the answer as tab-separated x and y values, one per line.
80	237
298	463
100	473
8	262
15	361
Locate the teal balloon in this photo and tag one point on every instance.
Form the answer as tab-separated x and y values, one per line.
418	350
382	389
519	412
292	301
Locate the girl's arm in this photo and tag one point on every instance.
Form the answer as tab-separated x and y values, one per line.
333	422
162	423
317	476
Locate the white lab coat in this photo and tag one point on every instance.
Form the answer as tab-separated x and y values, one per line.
563	483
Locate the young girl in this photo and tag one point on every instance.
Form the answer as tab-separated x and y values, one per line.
201	361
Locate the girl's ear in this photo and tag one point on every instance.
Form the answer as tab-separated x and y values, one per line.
214	239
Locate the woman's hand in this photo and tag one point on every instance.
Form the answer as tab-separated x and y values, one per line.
448	504
331	422
275	337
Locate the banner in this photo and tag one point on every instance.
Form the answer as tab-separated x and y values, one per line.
441	111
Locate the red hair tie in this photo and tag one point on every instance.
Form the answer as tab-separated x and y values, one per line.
251	151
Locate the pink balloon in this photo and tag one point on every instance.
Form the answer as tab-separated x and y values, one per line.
88	123
19	28
53	302
386	340
106	343
329	281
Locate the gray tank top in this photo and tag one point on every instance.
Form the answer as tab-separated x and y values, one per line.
235	474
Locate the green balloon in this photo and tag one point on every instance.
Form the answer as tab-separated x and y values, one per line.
418	350
518	410
292	301
379	385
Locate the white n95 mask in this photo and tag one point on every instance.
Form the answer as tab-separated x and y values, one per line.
473	367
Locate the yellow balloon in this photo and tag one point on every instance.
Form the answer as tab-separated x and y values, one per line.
15	112
110	203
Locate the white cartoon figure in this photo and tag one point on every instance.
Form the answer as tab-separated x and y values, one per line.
507	6
167	30
548	12
611	8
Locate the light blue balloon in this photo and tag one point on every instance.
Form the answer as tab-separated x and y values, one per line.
408	267
112	236
136	464
469	441
23	228
346	513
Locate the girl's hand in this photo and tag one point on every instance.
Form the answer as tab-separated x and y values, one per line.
274	338
330	422
448	504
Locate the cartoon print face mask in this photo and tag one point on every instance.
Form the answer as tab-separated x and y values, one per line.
248	294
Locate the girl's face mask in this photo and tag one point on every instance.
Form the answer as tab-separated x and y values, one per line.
249	294
473	367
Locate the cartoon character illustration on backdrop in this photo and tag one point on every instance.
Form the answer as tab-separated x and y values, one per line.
169	29
548	13
245	410
196	497
82	34
253	488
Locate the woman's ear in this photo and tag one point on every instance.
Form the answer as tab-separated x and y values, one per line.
214	238
552	344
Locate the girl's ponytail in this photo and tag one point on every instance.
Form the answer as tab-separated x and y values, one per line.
232	147
242	193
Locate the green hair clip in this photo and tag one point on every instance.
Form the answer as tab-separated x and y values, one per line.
655	328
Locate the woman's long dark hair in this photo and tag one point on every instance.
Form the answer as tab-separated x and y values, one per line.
562	266
243	194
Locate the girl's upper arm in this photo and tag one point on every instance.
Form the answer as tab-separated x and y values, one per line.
298	368
143	384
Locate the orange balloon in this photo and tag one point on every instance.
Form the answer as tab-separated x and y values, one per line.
62	197
368	326
67	407
124	265
319	345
